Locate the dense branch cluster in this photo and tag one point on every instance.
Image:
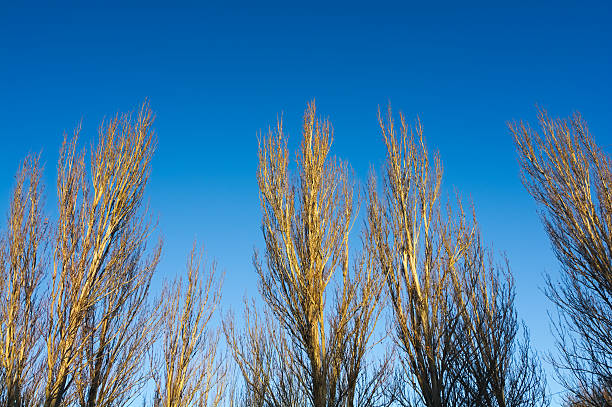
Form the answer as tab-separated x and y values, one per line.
417	312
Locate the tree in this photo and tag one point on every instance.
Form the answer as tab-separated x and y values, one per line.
454	318
569	176
193	374
417	249
323	312
98	324
23	258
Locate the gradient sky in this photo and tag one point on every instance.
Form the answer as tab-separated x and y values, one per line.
215	76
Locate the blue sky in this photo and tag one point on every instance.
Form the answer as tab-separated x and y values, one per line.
216	75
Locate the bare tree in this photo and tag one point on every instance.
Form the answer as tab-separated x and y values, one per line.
96	336
570	178
318	347
193	374
454	317
23	258
418	248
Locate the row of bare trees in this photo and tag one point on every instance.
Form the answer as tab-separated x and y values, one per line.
418	311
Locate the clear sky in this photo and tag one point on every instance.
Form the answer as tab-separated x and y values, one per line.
217	75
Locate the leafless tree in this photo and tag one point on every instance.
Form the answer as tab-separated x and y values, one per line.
418	247
23	258
98	329
454	317
193	372
570	178
324	311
